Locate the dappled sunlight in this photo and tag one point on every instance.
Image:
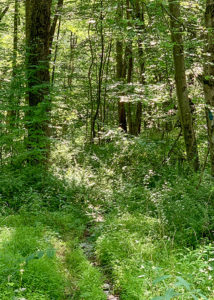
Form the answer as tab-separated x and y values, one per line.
6	234
106	150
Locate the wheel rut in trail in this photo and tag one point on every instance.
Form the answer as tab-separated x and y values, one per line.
107	290
88	248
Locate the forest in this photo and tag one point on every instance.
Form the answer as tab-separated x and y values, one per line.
106	149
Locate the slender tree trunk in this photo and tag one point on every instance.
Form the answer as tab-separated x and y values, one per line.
71	68
55	54
129	105
120	70
90	71
181	85
208	80
105	90
120	77
13	101
139	11
54	23
128	59
100	74
134	110
15	36
38	13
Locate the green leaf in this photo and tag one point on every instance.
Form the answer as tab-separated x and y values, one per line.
29	258
39	254
170	294
202	296
161	278
183	283
50	253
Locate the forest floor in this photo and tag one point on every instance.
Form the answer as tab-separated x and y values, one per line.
111	224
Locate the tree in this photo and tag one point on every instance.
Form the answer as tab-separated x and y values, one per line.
208	80
135	109
38	22
100	73
139	12
130	113
181	84
120	71
55	20
12	113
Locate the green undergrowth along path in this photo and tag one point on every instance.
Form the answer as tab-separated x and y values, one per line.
142	264
112	217
40	258
153	231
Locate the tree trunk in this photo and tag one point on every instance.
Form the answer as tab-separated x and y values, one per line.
139	11
129	58
71	67
100	75
38	13
55	54
181	85
134	110
13	101
130	106
120	71
54	23
208	80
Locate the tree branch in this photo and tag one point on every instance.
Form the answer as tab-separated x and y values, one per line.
4	12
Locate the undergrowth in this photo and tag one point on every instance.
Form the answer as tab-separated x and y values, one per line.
146	216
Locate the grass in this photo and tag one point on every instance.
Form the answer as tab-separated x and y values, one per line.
87	279
135	254
38	260
113	215
28	266
41	258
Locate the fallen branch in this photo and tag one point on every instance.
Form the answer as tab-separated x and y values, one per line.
203	169
173	146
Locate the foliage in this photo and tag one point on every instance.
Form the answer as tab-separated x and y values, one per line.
85	204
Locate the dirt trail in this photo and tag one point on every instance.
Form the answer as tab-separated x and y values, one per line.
89	251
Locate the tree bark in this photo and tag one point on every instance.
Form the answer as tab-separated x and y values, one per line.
181	84
14	101
38	13
100	74
129	58
139	11
71	67
208	80
134	110
55	54
120	71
